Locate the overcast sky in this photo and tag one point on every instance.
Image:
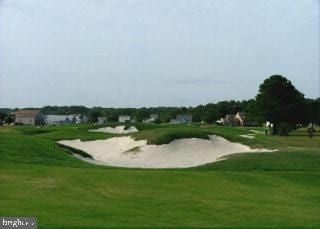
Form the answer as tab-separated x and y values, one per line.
153	52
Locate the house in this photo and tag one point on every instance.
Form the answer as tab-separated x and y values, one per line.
76	118
79	118
241	116
152	118
229	120
61	119
102	120
124	118
28	117
182	119
65	119
239	119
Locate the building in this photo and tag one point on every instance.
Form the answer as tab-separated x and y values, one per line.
229	120
182	119
76	118
28	117
65	119
60	119
102	120
238	119
80	118
241	117
124	118
152	118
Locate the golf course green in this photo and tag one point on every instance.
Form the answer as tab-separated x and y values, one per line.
278	189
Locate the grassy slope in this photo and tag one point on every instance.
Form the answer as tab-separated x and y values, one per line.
275	189
166	134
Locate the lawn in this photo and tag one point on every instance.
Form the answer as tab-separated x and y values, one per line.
278	190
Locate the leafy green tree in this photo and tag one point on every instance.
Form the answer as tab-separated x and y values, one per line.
252	116
141	114
9	119
313	111
279	102
209	113
95	113
2	116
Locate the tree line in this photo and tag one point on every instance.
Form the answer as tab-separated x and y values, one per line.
277	101
207	113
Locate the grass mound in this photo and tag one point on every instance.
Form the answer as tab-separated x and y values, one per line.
273	161
166	135
34	150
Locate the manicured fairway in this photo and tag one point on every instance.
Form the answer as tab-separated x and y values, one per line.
280	189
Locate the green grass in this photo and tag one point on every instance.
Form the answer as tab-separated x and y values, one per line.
160	198
64	132
269	141
33	150
166	134
275	190
301	160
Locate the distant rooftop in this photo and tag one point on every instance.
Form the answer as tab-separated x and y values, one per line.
25	113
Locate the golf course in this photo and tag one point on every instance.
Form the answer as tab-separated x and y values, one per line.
276	189
160	114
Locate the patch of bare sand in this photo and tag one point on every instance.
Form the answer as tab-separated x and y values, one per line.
116	130
181	153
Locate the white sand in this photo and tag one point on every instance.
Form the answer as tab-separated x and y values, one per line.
182	153
247	136
257	131
250	136
116	130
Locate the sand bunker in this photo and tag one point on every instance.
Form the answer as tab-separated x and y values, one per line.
257	131
247	136
182	153
116	130
250	136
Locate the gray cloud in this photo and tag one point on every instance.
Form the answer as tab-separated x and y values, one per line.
150	52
